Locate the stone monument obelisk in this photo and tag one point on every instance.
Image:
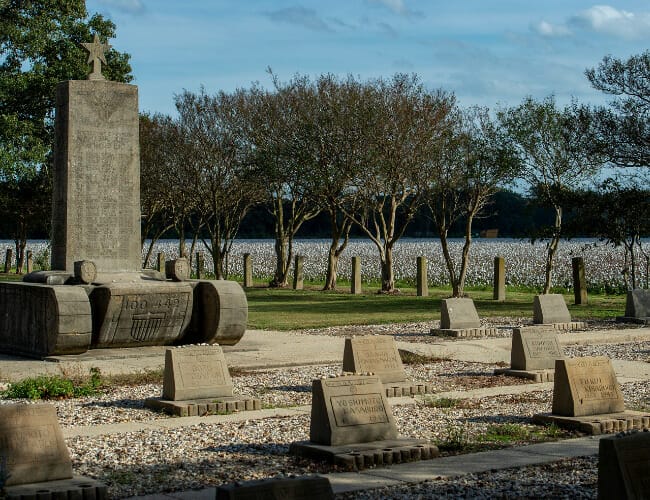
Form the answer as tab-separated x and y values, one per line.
97	295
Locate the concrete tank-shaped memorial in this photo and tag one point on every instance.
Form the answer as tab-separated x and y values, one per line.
97	295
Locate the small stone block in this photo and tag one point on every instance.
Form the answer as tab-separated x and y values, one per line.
248	404
221	407
202	409
85	271
257	404
212	408
350	409
298	488
76	487
390	392
586	386
192	410
550	308
624	466
230	406
376	354
177	269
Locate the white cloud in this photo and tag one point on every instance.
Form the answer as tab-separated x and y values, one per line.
129	6
545	28
612	21
301	16
394	5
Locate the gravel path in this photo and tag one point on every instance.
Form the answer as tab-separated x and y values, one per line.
161	460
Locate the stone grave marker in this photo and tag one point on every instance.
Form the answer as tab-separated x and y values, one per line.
458	313
586	396
196	381
34	460
550	308
624	466
637	307
586	386
534	348
352	425
533	354
458	318
350	409
195	372
31	442
377	354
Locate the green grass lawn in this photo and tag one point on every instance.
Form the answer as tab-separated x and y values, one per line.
287	309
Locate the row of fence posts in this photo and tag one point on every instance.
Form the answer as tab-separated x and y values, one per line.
29	260
422	285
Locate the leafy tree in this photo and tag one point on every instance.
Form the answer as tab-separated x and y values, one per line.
624	130
39	47
276	133
474	162
617	213
406	125
557	156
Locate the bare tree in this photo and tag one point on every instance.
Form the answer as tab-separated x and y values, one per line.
556	154
407	122
214	128
474	161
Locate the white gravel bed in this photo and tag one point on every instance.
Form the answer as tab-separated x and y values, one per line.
629	351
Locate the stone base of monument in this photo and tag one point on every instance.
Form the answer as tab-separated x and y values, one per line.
632	319
534	375
358	456
199	407
407	388
468	333
77	487
565	326
604	423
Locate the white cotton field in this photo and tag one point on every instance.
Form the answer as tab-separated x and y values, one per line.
524	261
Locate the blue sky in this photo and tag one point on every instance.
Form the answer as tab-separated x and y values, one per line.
487	52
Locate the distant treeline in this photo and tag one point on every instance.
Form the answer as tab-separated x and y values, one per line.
513	214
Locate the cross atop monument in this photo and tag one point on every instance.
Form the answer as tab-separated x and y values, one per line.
96	57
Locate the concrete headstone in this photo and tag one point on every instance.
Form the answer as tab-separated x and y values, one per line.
31	445
550	308
535	348
374	353
637	304
624	466
458	313
350	409
196	372
586	386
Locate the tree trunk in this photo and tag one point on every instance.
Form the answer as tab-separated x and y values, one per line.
464	261
449	262
335	250
552	250
387	275
283	256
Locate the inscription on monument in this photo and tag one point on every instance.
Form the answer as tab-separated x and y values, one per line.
376	354
358	410
96	199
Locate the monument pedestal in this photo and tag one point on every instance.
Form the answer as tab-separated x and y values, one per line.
534	375
465	333
77	487
359	456
604	423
